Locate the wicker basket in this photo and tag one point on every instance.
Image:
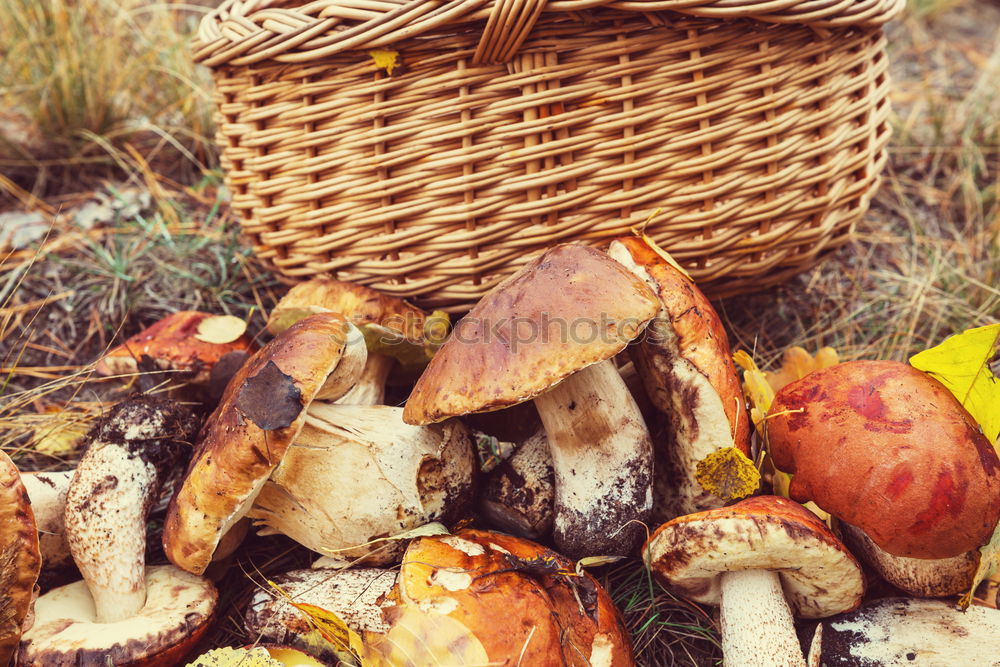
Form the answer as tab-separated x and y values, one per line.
757	126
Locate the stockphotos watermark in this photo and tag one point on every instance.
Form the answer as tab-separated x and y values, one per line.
512	333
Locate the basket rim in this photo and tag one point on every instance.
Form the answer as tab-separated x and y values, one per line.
244	32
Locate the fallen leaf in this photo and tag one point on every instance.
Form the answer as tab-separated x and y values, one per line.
61	434
595	561
343	641
989	563
797	363
235	657
757	389
385	59
728	473
417	637
962	364
220	329
270	399
655	247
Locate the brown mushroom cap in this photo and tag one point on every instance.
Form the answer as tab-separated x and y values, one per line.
567	309
20	558
501	599
172	345
262	411
885	447
178	611
700	338
819	576
359	304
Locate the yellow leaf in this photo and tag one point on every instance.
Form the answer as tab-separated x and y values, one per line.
235	657
417	637
384	59
728	474
330	628
989	563
220	329
797	363
595	561
962	364
59	435
756	387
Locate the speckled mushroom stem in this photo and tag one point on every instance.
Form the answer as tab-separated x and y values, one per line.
370	387
115	486
757	625
602	458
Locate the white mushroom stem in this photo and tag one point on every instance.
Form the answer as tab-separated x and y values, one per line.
602	459
370	387
109	496
757	625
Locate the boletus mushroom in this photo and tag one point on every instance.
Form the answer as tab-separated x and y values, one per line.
893	632
921	577
887	448
687	368
355	474
178	611
393	328
246	437
20	559
761	561
548	333
483	598
173	343
117	481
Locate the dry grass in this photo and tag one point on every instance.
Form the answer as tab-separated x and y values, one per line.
925	264
84	79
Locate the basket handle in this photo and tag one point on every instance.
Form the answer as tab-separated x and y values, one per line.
508	26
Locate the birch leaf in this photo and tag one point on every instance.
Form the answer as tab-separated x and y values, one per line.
728	474
962	364
385	59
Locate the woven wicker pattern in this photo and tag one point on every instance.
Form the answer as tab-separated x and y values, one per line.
760	140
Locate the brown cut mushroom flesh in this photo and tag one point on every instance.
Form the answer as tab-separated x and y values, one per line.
548	333
761	561
260	414
887	448
687	368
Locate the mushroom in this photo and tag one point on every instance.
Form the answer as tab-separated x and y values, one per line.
390	477
177	612
112	491
354	595
518	494
907	631
548	333
922	577
687	367
393	327
887	448
47	491
483	598
245	438
20	559
172	344
761	561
